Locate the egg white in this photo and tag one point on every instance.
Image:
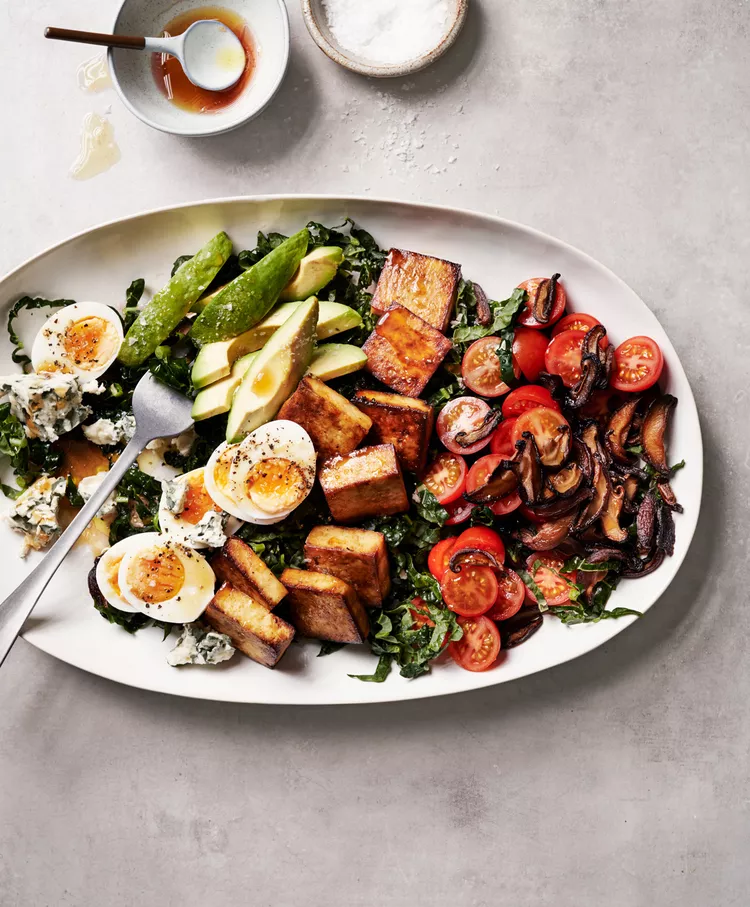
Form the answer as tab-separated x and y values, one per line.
180	530
108	566
195	593
222	494
48	351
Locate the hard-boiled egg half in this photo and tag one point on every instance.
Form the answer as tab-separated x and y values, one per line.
189	515
156	576
81	339
265	477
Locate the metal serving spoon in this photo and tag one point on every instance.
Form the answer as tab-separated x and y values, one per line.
160	412
210	53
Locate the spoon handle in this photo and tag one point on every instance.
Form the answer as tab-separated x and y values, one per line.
19	604
91	37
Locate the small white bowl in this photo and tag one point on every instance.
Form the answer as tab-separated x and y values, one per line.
131	70
315	19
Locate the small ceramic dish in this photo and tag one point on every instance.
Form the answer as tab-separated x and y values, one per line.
133	79
317	24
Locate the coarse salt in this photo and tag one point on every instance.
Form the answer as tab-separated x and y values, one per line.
389	31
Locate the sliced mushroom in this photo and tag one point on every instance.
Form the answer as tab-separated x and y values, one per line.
546	536
544	299
583	458
476	557
610	519
560	505
581	392
598	503
484	314
591	439
645	523
528	466
617	431
503	480
637	567
607	358
665	531
630	486
653	433
600	555
489	424
555	450
668	496
567	481
520	627
552	383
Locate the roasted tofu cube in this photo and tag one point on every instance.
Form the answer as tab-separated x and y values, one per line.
404	352
426	286
253	629
324	607
405	422
357	556
240	566
335	425
366	482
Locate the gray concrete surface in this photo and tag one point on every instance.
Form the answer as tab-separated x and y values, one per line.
617	780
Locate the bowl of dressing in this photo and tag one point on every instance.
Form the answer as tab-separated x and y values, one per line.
155	88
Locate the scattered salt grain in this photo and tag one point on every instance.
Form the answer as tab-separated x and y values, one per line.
389	31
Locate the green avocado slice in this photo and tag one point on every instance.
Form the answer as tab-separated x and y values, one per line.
316	270
333	360
217	398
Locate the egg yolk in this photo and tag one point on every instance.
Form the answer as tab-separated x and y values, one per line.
276	485
222	469
155	576
197	501
113	568
89	342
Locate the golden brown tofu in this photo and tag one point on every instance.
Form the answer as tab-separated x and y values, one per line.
405	422
253	629
357	556
335	425
366	482
426	286
404	352
240	566
324	607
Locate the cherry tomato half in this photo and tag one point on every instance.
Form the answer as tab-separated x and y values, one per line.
459	510
527	397
546	425
462	414
446	477
480	368
507	504
563	356
548	576
502	439
528	351
479	647
470	592
577	321
510	595
638	365
558	305
484	538
439	557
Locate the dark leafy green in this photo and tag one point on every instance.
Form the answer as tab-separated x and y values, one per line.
134	292
172	370
29	457
466	330
328	648
280	546
28	302
381	672
73	494
594	609
136	505
429	508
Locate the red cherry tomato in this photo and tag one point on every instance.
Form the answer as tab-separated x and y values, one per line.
577	321
558	305
528	514
545	425
459	510
446	477
478	475
563	356
502	441
462	414
527	397
528	351
548	576
470	592
507	504
638	365
510	595
439	557
479	647
485	539
480	368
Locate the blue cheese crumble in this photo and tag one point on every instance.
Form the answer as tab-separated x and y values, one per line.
175	492
48	405
106	432
34	514
209	530
199	645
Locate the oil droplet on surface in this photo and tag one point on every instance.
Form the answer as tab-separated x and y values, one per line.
93	74
99	149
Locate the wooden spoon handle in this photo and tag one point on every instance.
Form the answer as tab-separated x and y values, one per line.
90	37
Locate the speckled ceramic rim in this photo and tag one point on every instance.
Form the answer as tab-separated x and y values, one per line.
190	133
313	14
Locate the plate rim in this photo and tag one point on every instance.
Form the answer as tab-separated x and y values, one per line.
396	694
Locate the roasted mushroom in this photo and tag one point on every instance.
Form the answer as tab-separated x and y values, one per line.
636	567
484	313
489	424
668	496
653	433
546	536
559	506
503	480
528	467
520	627
617	431
567	481
610	519
474	557
544	299
583	458
665	532
645	523
598	503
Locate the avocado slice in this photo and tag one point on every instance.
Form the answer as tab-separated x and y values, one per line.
214	361
159	317
316	270
217	399
332	360
242	303
275	372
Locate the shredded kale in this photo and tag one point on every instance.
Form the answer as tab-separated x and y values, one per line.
28	302
265	243
482	516
74	496
131	621
594	610
429	508
449	386
381	672
532	586
580	563
134	292
29	457
280	545
465	328
136	505
172	370
178	263
505	355
328	648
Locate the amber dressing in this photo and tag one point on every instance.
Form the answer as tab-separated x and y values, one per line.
170	76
